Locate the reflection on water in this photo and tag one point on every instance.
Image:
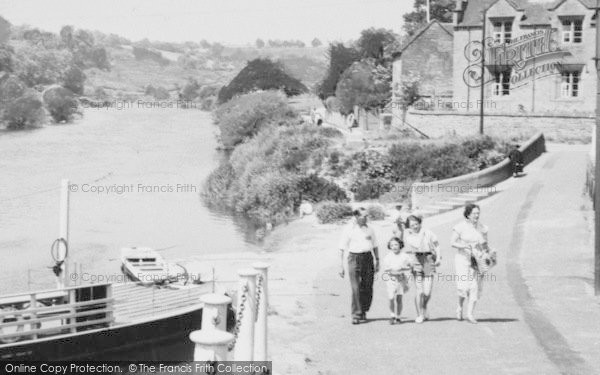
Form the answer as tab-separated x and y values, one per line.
137	176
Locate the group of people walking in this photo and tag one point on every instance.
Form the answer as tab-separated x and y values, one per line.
414	253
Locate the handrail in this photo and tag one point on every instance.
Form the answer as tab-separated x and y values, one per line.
52	290
54	329
65	315
49	309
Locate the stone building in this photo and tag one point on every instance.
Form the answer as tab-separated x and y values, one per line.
538	58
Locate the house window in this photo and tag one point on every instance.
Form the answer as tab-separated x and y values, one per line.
569	86
572	30
501	84
502	31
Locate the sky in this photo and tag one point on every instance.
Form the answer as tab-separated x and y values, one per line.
231	22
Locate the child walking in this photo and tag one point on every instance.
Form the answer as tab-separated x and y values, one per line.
396	266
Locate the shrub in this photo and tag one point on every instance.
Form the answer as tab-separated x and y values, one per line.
331	212
473	147
330	132
61	103
10	89
243	116
141	53
375	212
6	58
365	189
190	90
74	79
161	93
208	104
317	189
100	93
24	112
36	65
261	74
218	183
373	164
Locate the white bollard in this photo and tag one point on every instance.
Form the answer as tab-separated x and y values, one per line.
211	345
63	232
244	346
260	334
214	312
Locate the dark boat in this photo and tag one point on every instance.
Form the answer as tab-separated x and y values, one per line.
101	322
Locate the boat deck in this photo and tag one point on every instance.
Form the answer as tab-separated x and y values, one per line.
133	302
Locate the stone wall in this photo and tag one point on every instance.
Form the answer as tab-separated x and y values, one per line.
423	194
555	129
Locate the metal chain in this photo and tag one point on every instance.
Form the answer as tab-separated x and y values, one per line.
259	290
240	316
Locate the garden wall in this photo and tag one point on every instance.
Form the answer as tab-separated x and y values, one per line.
423	194
556	129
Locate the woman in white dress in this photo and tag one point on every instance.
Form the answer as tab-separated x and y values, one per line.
468	235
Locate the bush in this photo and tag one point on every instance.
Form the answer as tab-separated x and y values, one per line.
208	104
243	116
331	212
36	65
261	74
365	189
10	89
61	103
190	90
316	189
141	53
24	112
375	212
473	147
161	93
73	80
218	183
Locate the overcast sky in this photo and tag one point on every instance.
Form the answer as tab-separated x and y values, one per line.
225	21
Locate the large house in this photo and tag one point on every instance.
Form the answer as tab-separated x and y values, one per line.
538	58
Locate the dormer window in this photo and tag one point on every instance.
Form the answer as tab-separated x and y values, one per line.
572	30
502	31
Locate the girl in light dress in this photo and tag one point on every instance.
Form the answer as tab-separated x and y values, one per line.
396	266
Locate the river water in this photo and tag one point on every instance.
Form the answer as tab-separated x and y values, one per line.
136	178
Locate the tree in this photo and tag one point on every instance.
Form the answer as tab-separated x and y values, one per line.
4	30
36	65
217	49
440	10
74	79
61	103
361	85
340	58
261	74
260	43
379	44
316	43
190	90
24	112
6	58
66	37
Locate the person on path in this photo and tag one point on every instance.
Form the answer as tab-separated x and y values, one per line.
358	239
396	265
467	236
426	254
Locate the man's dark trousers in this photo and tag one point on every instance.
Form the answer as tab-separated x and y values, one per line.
361	273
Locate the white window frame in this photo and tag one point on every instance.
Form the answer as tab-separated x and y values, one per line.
567	84
502	36
569	35
498	84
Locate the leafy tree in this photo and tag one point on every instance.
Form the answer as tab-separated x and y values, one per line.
74	79
66	37
61	103
24	112
378	44
361	85
340	58
6	58
11	88
190	90
36	65
4	30
316	43
99	58
440	10
261	74
204	44
260	43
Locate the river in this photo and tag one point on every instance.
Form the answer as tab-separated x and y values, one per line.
136	178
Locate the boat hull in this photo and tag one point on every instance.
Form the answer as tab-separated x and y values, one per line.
162	339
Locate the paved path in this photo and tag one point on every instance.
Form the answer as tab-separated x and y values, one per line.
537	314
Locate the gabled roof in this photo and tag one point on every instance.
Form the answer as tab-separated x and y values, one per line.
536	12
447	27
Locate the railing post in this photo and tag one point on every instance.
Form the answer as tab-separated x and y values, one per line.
214	312
62	251
244	347
211	345
260	336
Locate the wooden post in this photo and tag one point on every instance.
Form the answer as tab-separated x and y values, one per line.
244	347
63	232
214	312
597	166
211	345
33	305
261	334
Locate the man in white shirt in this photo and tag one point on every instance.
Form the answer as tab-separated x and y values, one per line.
359	241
